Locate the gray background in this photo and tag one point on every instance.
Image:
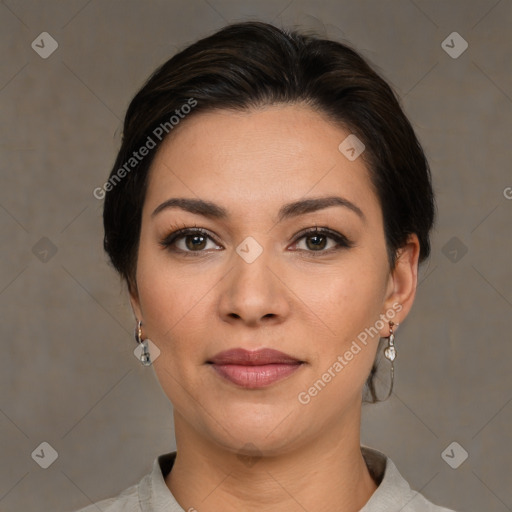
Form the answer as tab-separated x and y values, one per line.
68	376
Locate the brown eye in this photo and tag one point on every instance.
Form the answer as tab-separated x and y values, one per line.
188	241
322	240
315	242
195	242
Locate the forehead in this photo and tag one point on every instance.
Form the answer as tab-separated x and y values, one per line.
258	159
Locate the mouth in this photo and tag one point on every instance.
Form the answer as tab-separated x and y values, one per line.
254	369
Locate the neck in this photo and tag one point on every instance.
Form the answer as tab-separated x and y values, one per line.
327	473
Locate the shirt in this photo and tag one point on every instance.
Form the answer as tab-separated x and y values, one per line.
151	494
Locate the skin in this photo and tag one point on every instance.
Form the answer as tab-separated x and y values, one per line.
294	298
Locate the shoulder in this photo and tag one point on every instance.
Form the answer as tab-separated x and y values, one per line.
151	493
126	501
393	492
418	503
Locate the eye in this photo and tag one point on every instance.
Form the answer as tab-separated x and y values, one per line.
317	240
188	240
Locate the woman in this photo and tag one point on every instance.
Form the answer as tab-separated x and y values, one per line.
268	209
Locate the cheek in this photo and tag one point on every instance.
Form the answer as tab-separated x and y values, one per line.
348	300
173	299
333	302
161	290
345	299
170	306
167	304
346	340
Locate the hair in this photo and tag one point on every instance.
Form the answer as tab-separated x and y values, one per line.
250	65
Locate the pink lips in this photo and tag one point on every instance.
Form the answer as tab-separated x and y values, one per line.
254	369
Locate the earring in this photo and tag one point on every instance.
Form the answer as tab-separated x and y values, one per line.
390	354
145	358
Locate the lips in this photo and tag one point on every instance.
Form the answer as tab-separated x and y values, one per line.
253	358
254	369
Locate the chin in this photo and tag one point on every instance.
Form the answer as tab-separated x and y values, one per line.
248	431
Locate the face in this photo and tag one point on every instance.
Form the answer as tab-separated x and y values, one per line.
252	273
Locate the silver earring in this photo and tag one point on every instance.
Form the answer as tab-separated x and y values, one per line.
145	358
390	354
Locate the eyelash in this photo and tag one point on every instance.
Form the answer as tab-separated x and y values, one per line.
181	232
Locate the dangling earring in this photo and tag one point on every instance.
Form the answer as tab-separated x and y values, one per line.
144	358
390	354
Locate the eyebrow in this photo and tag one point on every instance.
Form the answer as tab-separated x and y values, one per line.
294	209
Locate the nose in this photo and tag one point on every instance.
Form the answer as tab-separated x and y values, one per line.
254	292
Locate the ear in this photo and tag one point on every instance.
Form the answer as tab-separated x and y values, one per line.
134	301
403	281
